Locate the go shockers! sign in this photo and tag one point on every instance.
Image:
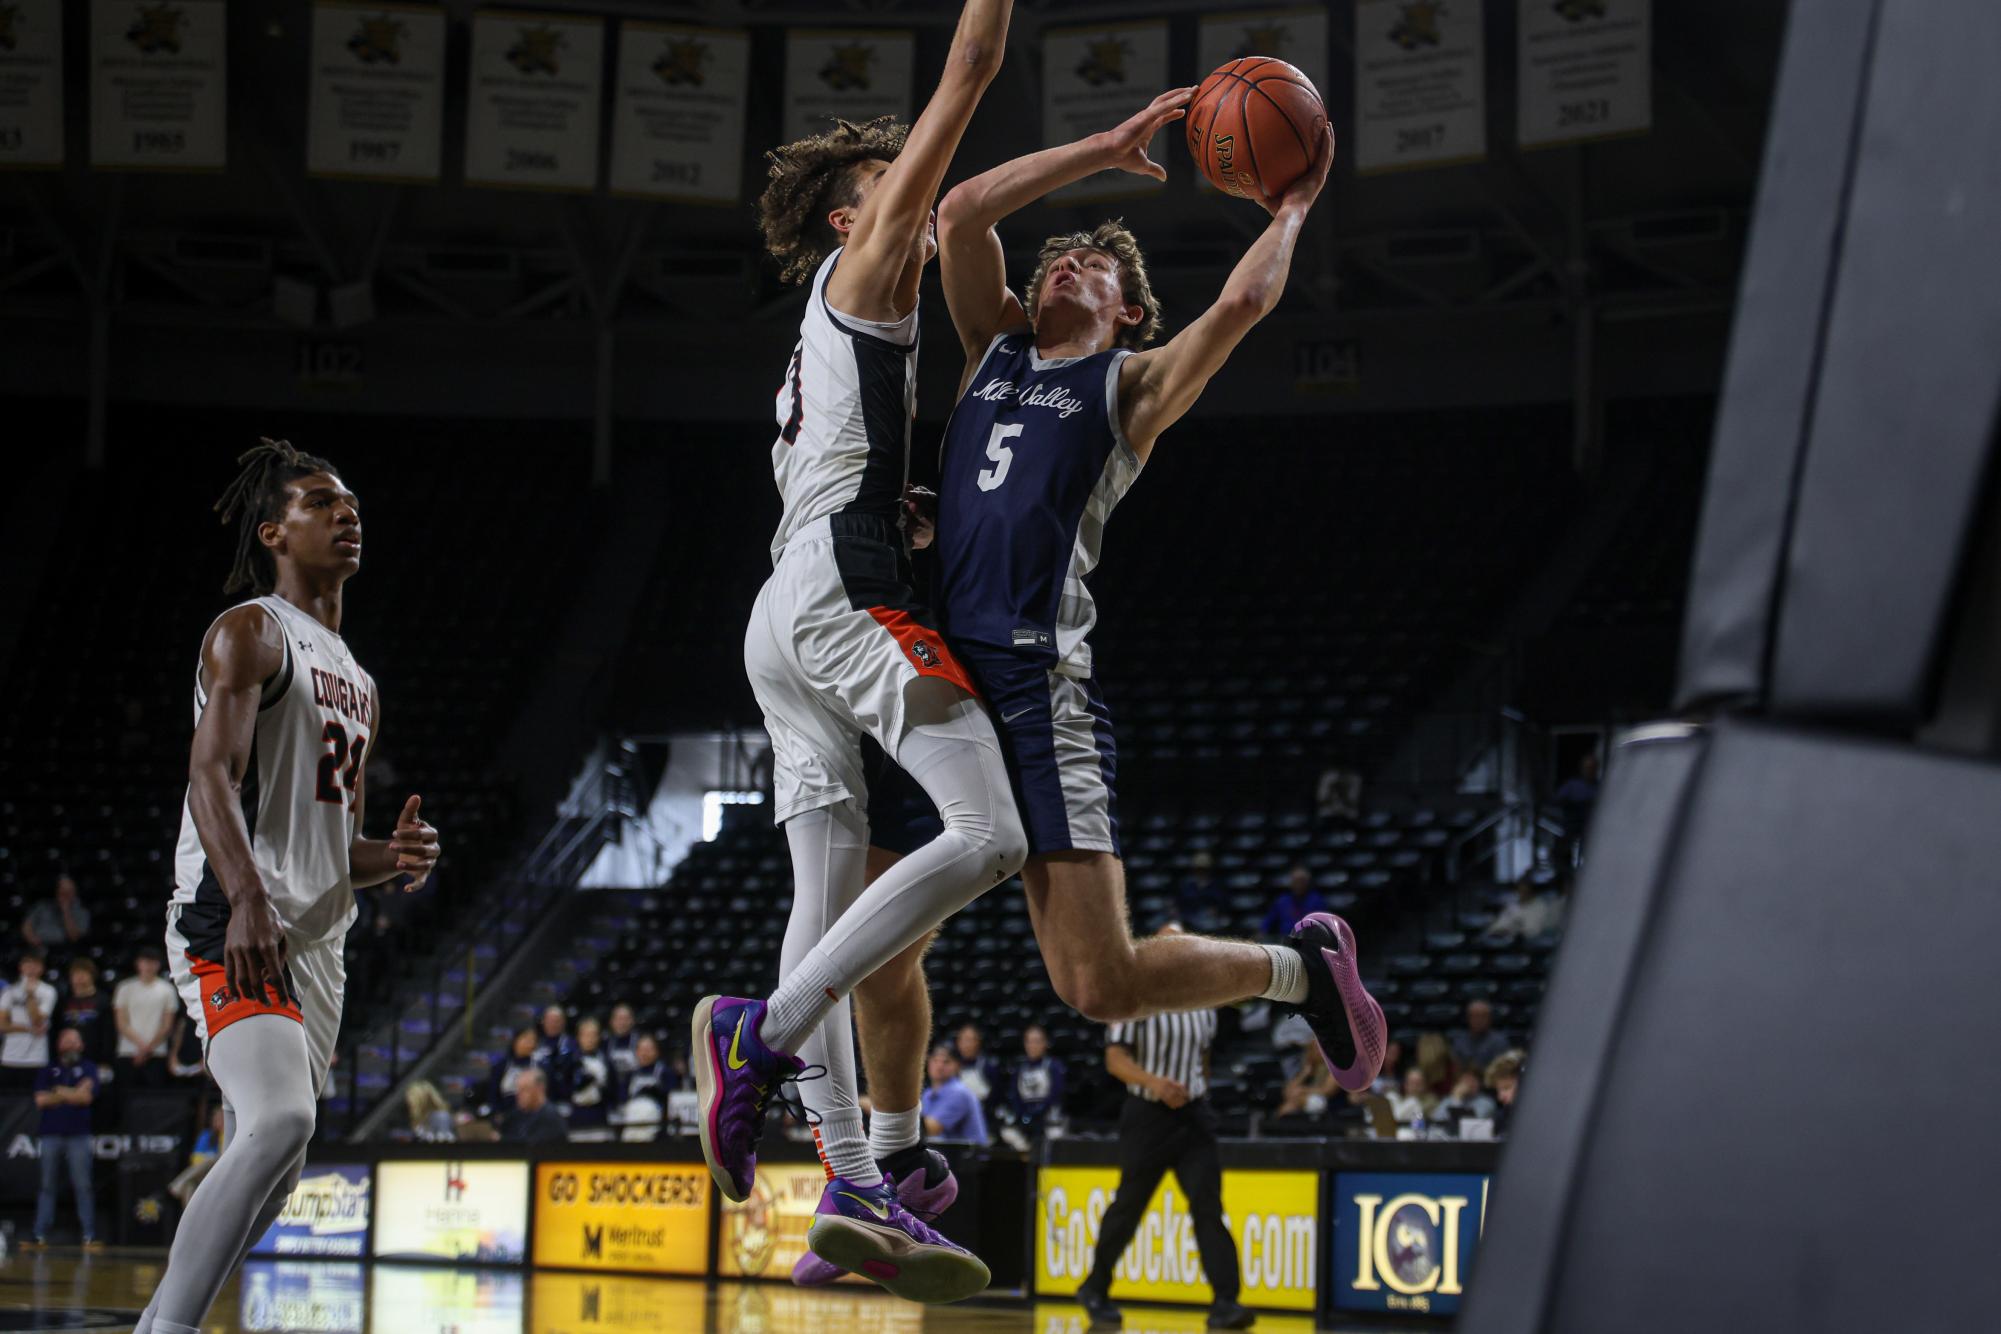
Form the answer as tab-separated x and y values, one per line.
1273	1218
650	1217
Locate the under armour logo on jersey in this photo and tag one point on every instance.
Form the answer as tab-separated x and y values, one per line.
305	647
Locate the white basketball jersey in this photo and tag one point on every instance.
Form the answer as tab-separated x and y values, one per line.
844	414
314	725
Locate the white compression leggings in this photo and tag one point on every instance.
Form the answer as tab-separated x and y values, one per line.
268	1111
839	932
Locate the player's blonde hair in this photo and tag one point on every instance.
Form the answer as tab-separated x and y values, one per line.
1113	239
812	177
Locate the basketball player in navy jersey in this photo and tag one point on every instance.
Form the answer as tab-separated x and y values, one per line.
840	647
1061	404
270	855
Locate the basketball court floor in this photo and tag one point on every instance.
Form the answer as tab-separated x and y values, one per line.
62	1289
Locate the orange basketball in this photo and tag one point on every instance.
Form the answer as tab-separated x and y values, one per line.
1254	125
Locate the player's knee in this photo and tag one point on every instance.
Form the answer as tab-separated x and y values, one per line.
1101	997
1009	844
285	1129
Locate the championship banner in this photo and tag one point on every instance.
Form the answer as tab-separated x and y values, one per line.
1585	70
652	1217
378	91
677	120
1404	1241
449	1210
619	1304
1420	83
854	74
1273	1216
279	1295
1296	36
31	83
532	101
764	1236
326	1216
1094	79
158	84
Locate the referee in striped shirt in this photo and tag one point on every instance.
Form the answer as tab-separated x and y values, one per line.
1167	1124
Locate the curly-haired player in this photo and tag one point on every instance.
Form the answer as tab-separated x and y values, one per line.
271	853
840	647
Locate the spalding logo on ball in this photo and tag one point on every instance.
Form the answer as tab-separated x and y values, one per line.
1254	126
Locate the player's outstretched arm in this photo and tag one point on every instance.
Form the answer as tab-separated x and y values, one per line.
1158	386
893	218
969	250
243	652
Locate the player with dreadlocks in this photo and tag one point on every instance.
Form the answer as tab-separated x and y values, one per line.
271	853
840	647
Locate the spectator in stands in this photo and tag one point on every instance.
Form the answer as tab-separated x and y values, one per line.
1467	1100
556	1052
1415	1100
1295	901
496	1095
88	1011
25	1010
533	1120
1389	1078
621	1045
1338	797
57	923
1475	1045
1035	1085
1575	797
64	1091
950	1109
591	1087
1200	899
643	1089
1531	914
1504	1077
1311	1085
146	1005
430	1116
981	1074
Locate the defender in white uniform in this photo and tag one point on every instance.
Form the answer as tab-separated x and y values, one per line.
270	855
839	646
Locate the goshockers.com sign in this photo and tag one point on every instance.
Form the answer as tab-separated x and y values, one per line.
641	1216
1273	1219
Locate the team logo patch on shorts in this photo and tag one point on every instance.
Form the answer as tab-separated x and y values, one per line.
225	1005
924	652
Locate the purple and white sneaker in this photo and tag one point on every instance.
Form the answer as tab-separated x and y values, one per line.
735	1078
926	1193
866	1230
1342	1013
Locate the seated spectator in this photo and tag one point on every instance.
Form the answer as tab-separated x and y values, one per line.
430	1117
1468	1100
1389	1078
64	1091
1311	1085
26	1008
981	1074
208	1147
1434	1057
556	1052
88	1011
621	1043
950	1109
496	1095
591	1089
534	1119
1477	1044
1295	901
1338	795
1200	899
1035	1085
57	923
146	1005
643	1090
1415	1100
1504	1077
1531	914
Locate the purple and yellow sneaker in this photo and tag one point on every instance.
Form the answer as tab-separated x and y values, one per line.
1342	1013
866	1230
926	1192
735	1078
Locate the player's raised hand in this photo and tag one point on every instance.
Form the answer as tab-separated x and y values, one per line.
415	845
253	951
1127	144
1302	192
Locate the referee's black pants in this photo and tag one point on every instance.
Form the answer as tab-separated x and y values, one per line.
1153	1140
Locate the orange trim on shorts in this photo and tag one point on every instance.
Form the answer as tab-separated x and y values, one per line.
925	648
222	1007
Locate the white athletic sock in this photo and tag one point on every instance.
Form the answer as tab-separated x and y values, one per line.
845	1149
1288	976
890	1133
951	751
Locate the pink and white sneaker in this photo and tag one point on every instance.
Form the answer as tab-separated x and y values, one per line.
1343	1015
